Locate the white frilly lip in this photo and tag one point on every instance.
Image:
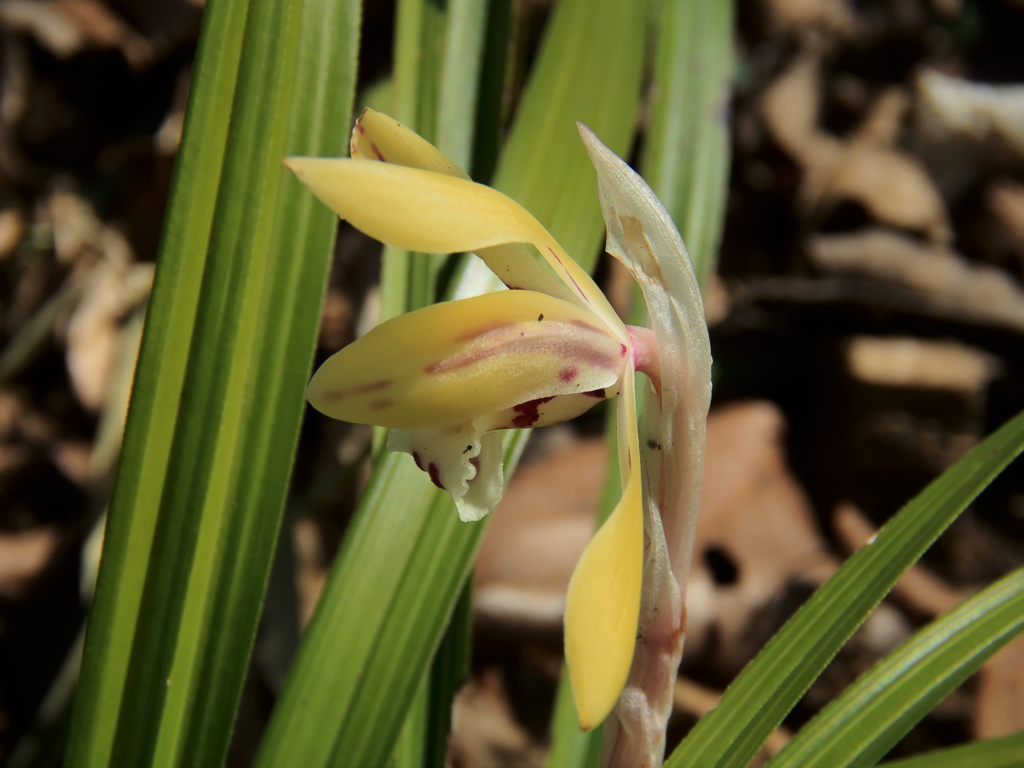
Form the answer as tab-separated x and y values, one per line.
462	459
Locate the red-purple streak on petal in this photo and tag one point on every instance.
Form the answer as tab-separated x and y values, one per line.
585	354
333	395
377	152
529	412
567	274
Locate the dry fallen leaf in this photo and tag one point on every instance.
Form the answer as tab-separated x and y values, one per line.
23	556
952	108
831	16
52	27
484	732
1005	202
12	229
67	27
946	283
904	361
93	333
866	167
1000	706
537	534
756	533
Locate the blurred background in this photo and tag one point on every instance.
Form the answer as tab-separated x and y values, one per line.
867	324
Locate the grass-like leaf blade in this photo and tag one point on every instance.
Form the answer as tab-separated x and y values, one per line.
878	709
218	393
757	701
1001	752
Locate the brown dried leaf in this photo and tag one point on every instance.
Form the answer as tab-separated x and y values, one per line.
755	517
945	281
12	229
890	184
537	534
51	26
23	557
93	335
831	16
952	108
484	732
903	361
108	30
1000	705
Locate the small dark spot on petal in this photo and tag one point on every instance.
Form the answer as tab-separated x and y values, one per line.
528	412
539	318
569	373
468	449
435	475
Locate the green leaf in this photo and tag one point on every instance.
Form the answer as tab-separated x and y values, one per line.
412	739
588	70
217	398
686	154
878	709
401	568
450	668
757	701
571	747
1003	752
460	79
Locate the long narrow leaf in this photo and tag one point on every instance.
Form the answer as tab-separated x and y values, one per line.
686	155
218	395
773	683
875	712
1003	752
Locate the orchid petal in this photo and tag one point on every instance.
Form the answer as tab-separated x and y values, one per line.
456	361
377	136
419	210
642	236
602	606
459	459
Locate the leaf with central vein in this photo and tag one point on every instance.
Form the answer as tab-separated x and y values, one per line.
772	684
218	395
883	704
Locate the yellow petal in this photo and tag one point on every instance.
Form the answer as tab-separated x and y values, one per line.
456	361
433	213
377	136
603	602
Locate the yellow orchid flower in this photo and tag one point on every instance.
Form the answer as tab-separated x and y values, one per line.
444	378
